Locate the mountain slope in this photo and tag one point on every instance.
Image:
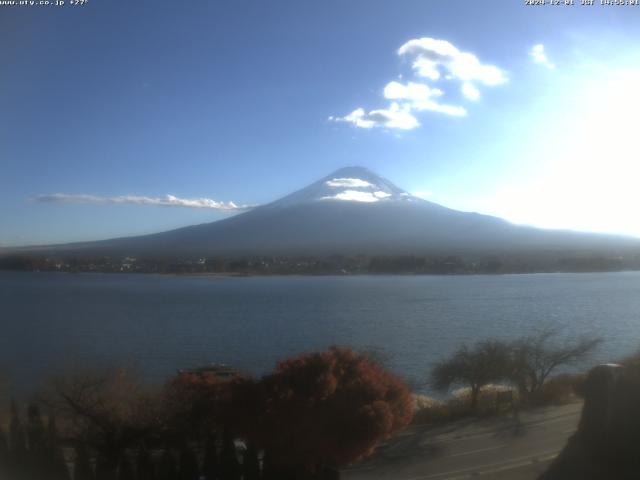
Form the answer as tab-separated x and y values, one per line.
351	211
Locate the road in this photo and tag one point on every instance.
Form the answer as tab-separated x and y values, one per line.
503	447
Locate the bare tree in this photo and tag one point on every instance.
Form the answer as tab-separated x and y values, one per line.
474	367
4	389
108	411
535	357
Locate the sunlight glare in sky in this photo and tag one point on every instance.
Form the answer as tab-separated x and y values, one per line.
591	178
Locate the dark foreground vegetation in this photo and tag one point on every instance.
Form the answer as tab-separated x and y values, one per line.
314	414
311	415
333	265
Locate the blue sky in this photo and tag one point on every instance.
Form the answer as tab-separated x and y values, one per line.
525	112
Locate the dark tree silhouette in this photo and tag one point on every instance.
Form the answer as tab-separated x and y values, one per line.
210	463
475	367
144	465
229	466
273	471
106	468
82	465
108	410
55	463
4	455
250	463
188	465
17	443
36	434
37	460
167	469
125	469
536	356
269	470
52	437
17	439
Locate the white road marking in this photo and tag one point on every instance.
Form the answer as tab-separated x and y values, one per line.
480	450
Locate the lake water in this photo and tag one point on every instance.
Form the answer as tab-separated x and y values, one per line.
54	321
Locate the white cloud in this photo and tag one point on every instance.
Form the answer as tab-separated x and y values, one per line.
427	68
453	110
395	116
420	98
470	91
411	91
348	183
538	55
358	196
166	201
432	60
431	57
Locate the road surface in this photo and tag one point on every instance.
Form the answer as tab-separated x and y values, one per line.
503	447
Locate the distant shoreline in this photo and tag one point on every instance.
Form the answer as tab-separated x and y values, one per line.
364	274
469	263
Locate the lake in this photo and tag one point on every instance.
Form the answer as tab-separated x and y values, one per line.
51	322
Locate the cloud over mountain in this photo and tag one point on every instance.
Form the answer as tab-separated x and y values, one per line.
165	201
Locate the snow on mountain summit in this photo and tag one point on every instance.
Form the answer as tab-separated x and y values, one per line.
350	184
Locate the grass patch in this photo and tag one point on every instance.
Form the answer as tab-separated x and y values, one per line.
559	390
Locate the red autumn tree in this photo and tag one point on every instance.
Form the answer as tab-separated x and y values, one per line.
324	409
192	405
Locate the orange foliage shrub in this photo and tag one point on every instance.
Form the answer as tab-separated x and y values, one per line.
323	408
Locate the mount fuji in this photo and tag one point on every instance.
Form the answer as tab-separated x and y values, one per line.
350	211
